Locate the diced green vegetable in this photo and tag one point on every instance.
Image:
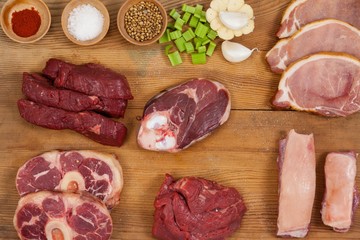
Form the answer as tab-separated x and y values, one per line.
179	24
170	26
167	49
201	30
203	17
187	8
165	37
211	49
193	21
205	41
211	34
186	17
180	44
175	34
175	58
201	49
197	44
189	47
198	10
198	58
174	14
189	34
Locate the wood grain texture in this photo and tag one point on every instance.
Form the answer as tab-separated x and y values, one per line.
241	154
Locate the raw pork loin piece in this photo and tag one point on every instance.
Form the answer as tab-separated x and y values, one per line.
321	36
327	84
341	197
302	12
297	180
196	209
54	216
40	90
90	78
99	174
92	125
183	115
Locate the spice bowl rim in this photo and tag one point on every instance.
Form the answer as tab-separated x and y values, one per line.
95	3
10	6
121	21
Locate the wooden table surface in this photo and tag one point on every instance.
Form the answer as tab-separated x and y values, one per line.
242	153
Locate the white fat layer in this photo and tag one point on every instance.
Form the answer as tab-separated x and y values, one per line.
290	8
297	233
166	143
73	176
62	226
156	122
191	93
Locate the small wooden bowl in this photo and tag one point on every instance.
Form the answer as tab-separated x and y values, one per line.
121	21
12	6
75	3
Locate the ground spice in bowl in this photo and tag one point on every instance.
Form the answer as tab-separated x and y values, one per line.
143	21
26	23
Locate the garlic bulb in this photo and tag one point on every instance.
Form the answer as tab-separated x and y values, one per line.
230	18
235	52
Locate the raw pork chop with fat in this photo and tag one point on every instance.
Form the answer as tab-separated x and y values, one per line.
67	216
99	174
183	115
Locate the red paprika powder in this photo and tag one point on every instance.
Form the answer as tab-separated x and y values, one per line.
26	23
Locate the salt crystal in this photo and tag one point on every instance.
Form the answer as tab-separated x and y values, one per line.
85	22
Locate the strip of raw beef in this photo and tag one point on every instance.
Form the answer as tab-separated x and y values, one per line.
40	90
302	12
194	208
97	173
341	197
92	125
183	115
91	79
53	216
327	84
321	36
297	180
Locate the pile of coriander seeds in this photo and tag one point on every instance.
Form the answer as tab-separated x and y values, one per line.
143	21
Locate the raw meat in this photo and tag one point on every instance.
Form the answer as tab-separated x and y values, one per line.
341	198
40	90
183	115
196	209
327	84
48	215
92	125
91	79
321	36
97	173
297	180
301	12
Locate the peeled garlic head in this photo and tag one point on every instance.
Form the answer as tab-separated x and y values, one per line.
235	52
234	20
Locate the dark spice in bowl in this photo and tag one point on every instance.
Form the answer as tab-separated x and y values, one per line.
26	23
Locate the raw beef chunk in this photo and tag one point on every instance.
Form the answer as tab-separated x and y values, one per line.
97	173
92	125
297	180
301	12
341	198
47	215
196	209
91	79
40	90
178	117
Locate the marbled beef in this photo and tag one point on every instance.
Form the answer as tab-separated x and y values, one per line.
194	208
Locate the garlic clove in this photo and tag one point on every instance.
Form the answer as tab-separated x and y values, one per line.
225	33
234	20
235	52
235	5
211	14
246	8
216	24
248	28
238	33
219	5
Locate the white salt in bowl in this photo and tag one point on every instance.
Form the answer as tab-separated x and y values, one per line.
75	3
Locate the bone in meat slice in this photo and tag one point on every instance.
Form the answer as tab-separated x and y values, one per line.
297	181
326	84
322	36
39	89
92	125
183	115
341	198
302	12
99	174
66	216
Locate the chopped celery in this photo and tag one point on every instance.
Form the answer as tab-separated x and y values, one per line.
187	8
201	30
198	58
211	34
170	26
179	24
165	37
198	10
174	14
197	44
211	49
186	17
189	34
175	34
167	49
189	47
205	41
203	16
180	44
193	21
201	49
175	58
